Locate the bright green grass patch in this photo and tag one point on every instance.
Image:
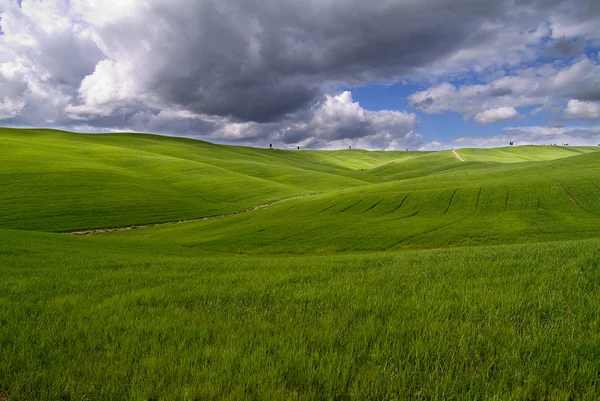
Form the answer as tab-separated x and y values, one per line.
57	181
243	307
466	205
516	154
94	318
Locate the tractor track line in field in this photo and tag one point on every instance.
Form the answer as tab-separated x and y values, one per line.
400	205
166	223
426	232
573	200
478	196
455	153
348	207
373	206
591	182
450	202
407	216
328	207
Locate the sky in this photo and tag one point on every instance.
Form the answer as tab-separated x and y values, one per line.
319	74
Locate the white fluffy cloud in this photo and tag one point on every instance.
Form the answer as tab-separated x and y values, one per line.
336	122
109	86
546	85
110	82
495	115
577	109
339	117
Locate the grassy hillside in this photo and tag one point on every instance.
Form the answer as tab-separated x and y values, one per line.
403	275
516	154
57	181
468	204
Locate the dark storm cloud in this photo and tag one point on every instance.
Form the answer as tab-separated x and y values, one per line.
260	60
499	92
566	47
244	70
590	93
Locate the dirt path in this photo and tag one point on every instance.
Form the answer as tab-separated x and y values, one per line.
218	216
455	153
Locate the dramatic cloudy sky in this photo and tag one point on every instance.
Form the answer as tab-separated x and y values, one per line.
387	74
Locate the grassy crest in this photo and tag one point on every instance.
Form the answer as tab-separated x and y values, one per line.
403	275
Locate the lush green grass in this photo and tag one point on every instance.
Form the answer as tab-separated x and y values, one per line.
465	205
57	181
516	154
90	318
371	288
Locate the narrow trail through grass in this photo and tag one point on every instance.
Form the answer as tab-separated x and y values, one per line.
459	157
166	223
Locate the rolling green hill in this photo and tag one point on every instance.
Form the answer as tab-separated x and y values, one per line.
59	181
223	272
516	154
449	204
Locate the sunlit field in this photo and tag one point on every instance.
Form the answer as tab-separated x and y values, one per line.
145	267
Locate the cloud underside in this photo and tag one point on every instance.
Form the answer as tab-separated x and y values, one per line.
256	71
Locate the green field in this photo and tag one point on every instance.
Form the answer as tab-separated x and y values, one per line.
221	272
